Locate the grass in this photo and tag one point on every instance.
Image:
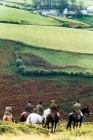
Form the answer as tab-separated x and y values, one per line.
25	17
30	132
64	61
20	1
49	37
73	23
62	58
86	2
7	57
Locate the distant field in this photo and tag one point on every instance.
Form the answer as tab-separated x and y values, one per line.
65	60
56	38
20	1
40	58
25	17
86	2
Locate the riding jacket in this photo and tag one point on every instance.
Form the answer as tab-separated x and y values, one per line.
29	108
8	111
53	108
77	108
39	109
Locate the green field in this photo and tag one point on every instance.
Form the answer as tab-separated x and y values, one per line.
56	38
72	48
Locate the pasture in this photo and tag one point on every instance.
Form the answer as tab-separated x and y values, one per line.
12	131
56	38
44	59
13	15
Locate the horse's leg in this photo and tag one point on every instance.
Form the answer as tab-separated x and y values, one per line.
69	124
74	125
52	127
55	127
81	121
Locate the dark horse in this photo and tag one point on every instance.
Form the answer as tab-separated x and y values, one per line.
73	118
24	116
53	119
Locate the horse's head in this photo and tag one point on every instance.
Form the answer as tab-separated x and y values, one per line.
86	110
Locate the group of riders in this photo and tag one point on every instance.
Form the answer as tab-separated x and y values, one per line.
54	108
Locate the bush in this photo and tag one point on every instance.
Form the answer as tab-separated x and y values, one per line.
21	68
66	25
88	73
19	62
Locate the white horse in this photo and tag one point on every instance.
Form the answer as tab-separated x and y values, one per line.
34	118
48	111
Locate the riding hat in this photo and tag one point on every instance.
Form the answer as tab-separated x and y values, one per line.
10	104
53	101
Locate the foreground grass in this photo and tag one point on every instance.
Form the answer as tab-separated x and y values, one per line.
22	132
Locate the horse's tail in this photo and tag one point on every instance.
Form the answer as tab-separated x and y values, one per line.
69	121
28	119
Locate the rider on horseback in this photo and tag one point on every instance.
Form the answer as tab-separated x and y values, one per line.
77	109
53	107
39	109
8	111
29	107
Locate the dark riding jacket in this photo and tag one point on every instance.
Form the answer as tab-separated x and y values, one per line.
29	108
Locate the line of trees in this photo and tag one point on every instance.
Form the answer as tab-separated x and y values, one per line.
50	4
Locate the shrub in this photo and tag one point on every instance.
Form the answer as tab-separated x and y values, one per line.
21	68
19	62
66	25
88	73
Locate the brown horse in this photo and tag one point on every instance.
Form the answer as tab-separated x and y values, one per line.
7	118
53	119
24	116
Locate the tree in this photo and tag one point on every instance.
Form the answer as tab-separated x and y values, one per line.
73	1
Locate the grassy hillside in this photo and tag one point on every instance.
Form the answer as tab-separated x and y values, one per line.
18	89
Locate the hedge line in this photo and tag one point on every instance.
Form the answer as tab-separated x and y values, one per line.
22	69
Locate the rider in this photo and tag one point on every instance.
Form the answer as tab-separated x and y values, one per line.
53	107
77	109
8	111
39	109
29	107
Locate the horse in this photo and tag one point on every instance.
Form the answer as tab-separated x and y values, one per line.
7	118
34	118
73	118
24	116
50	117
